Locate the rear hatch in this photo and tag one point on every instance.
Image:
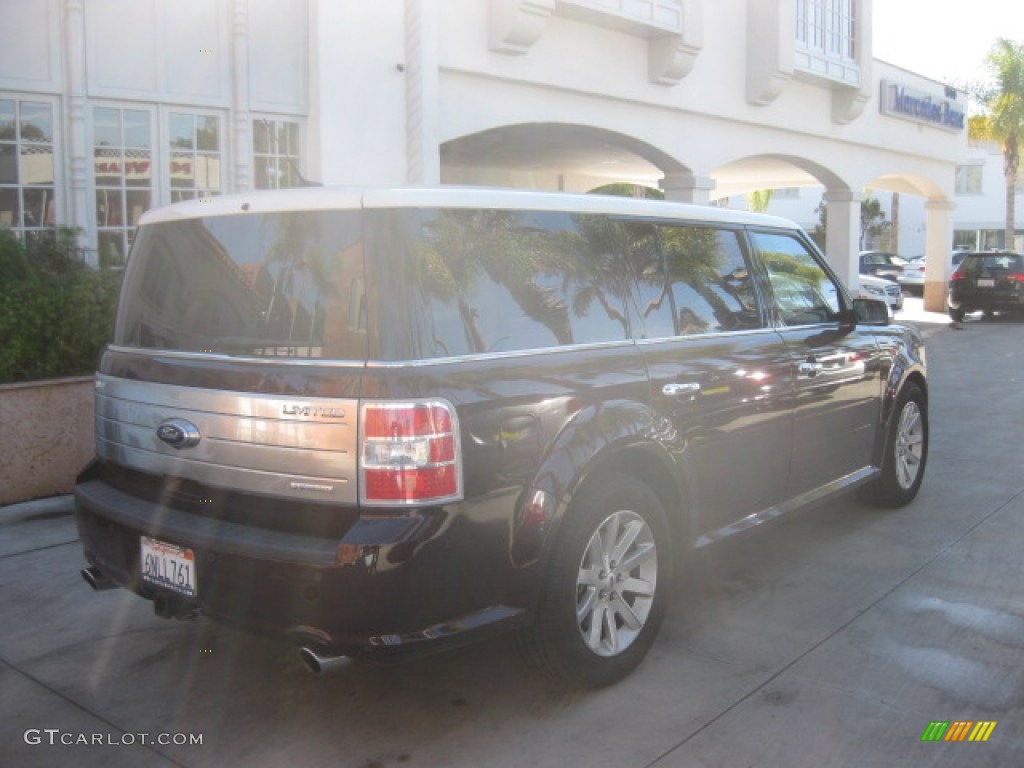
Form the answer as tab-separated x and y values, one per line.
238	351
990	278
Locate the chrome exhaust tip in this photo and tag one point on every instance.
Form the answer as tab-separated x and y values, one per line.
96	579
322	664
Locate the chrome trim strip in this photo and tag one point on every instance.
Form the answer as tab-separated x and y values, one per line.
182	355
771	513
705	336
451	359
421	362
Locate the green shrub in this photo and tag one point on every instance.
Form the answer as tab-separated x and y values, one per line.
56	313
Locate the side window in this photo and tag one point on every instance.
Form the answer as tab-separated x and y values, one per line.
692	280
804	292
499	281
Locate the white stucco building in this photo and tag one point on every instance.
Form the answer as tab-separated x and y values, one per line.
110	107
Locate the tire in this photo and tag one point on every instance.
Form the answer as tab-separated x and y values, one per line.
596	619
906	452
957	315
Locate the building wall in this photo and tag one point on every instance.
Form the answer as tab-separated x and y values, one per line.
150	102
374	92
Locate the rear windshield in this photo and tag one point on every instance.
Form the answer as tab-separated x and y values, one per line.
269	285
992	263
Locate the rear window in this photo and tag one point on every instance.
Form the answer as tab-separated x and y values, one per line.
991	263
268	285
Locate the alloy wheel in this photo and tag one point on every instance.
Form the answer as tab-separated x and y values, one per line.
616	584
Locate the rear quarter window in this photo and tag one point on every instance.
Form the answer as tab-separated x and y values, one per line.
492	281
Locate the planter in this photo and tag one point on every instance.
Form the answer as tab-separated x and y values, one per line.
46	436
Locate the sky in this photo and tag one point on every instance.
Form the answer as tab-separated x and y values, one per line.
947	40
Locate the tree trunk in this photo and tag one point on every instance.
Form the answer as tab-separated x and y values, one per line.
1011	160
1011	213
894	226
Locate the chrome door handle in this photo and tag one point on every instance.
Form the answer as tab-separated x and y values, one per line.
675	390
810	370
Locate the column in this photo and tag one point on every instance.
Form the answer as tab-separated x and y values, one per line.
241	119
423	147
842	235
938	241
77	141
685	187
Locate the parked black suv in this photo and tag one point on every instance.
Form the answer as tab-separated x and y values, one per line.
385	421
987	281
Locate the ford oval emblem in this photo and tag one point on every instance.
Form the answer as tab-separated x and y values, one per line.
178	433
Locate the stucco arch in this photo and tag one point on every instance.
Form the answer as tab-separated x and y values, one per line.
559	156
773	171
909	184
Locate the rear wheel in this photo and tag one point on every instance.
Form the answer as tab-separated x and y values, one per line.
607	583
906	452
957	315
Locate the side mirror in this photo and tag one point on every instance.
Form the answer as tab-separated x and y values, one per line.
871	311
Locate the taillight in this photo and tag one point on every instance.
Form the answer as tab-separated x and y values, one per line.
409	453
1017	277
958	275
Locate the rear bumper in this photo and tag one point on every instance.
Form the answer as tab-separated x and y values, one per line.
970	301
381	587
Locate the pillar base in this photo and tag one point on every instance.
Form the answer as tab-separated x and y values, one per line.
935	296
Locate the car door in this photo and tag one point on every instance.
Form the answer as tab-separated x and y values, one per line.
835	365
718	372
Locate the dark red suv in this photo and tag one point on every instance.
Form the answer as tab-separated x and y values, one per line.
390	421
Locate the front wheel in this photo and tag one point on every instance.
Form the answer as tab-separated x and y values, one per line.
906	452
607	584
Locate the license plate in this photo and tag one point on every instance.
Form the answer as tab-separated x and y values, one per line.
168	566
984	282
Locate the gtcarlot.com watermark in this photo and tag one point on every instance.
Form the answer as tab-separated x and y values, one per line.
55	736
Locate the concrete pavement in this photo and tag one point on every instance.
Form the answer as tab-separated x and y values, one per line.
831	639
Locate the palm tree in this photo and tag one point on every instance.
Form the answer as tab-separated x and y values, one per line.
1003	118
758	200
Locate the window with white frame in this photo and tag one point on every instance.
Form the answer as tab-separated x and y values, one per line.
826	41
787	193
195	155
27	169
969	178
275	150
123	170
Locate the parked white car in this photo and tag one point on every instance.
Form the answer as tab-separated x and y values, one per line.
880	288
912	276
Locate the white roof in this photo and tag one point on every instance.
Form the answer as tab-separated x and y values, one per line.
342	198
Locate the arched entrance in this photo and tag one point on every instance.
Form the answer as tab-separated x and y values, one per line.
564	157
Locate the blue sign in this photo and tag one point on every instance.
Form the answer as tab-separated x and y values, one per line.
901	101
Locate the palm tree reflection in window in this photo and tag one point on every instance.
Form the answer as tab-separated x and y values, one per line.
699	272
518	280
294	311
